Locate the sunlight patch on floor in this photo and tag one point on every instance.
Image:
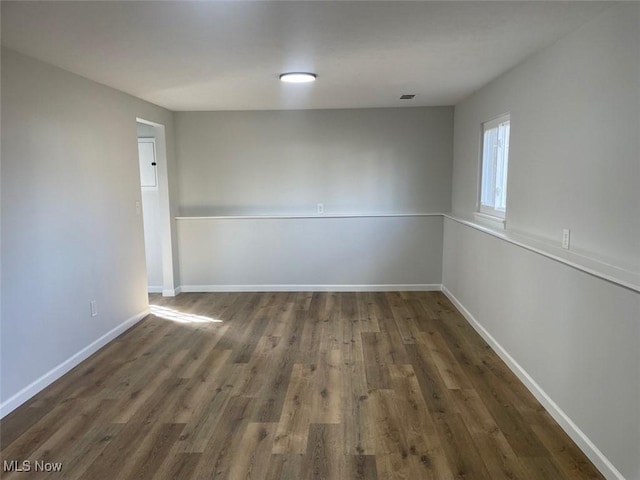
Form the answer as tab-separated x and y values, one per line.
180	317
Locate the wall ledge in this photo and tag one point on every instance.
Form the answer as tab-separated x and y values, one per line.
427	287
595	267
611	273
320	216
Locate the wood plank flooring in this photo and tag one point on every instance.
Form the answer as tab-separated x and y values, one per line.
293	386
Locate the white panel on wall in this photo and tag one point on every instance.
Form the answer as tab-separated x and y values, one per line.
312	251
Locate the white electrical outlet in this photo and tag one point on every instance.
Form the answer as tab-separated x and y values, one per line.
94	308
320	208
566	238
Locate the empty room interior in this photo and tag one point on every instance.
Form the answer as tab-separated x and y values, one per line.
320	240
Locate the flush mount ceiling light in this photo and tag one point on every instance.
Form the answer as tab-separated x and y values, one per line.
298	77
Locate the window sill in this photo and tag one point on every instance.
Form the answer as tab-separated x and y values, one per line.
489	220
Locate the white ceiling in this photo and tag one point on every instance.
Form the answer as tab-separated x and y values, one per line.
214	55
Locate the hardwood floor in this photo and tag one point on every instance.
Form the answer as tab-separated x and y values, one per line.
293	386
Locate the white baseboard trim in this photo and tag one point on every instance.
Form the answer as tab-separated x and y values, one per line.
428	287
154	289
55	373
171	292
584	443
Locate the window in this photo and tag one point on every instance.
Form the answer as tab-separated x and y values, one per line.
495	159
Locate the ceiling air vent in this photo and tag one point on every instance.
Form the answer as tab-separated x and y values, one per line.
406	97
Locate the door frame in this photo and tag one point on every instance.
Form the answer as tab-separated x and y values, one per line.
164	207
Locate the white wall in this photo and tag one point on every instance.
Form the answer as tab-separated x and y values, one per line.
70	232
311	254
574	145
574	162
353	161
145	131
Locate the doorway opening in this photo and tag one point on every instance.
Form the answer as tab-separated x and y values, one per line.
150	206
156	213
